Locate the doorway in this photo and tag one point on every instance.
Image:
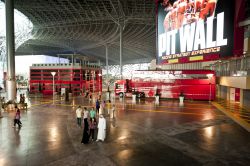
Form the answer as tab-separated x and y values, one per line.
235	94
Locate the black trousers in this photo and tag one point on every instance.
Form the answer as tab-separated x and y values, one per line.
97	109
92	133
17	121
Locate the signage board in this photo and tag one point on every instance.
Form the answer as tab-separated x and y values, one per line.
194	30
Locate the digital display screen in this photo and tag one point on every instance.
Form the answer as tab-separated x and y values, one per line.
194	30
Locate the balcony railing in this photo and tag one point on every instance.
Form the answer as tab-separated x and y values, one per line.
233	67
65	65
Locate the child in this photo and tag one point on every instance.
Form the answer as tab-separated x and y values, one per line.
17	118
92	127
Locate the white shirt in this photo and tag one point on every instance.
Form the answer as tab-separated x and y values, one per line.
85	114
78	112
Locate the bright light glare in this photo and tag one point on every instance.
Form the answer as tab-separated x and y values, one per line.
23	32
23	26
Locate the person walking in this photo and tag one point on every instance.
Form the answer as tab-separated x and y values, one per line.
92	127
21	98
101	128
85	135
17	118
109	106
97	106
79	116
85	114
102	108
92	113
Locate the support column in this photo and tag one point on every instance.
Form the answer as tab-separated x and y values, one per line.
241	97
218	89
107	68
10	45
228	93
72	60
59	59
75	60
107	61
121	49
93	77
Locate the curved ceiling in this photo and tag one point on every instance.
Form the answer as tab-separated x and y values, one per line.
86	26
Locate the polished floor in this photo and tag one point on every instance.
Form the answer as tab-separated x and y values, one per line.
141	134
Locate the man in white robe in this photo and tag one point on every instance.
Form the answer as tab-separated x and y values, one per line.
101	128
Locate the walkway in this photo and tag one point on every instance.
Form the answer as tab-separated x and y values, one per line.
233	110
141	134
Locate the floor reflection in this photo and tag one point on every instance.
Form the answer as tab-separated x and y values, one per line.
140	133
17	136
209	132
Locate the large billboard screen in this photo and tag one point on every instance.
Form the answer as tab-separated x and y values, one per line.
194	30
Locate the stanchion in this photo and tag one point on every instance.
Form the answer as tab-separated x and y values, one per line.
133	99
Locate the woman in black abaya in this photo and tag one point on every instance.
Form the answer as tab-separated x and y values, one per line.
85	136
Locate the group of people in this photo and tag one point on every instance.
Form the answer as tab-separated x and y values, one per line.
87	119
182	12
105	107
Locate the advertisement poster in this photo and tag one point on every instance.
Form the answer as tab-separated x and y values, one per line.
194	30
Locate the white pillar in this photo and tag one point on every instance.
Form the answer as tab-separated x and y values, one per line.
218	89
107	60
53	76
241	97
121	49
210	76
10	45
59	59
228	93
72	60
107	68
93	75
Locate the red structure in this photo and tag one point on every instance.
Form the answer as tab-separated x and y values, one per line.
193	84
75	77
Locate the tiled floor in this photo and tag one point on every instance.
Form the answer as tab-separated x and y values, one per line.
235	109
141	134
